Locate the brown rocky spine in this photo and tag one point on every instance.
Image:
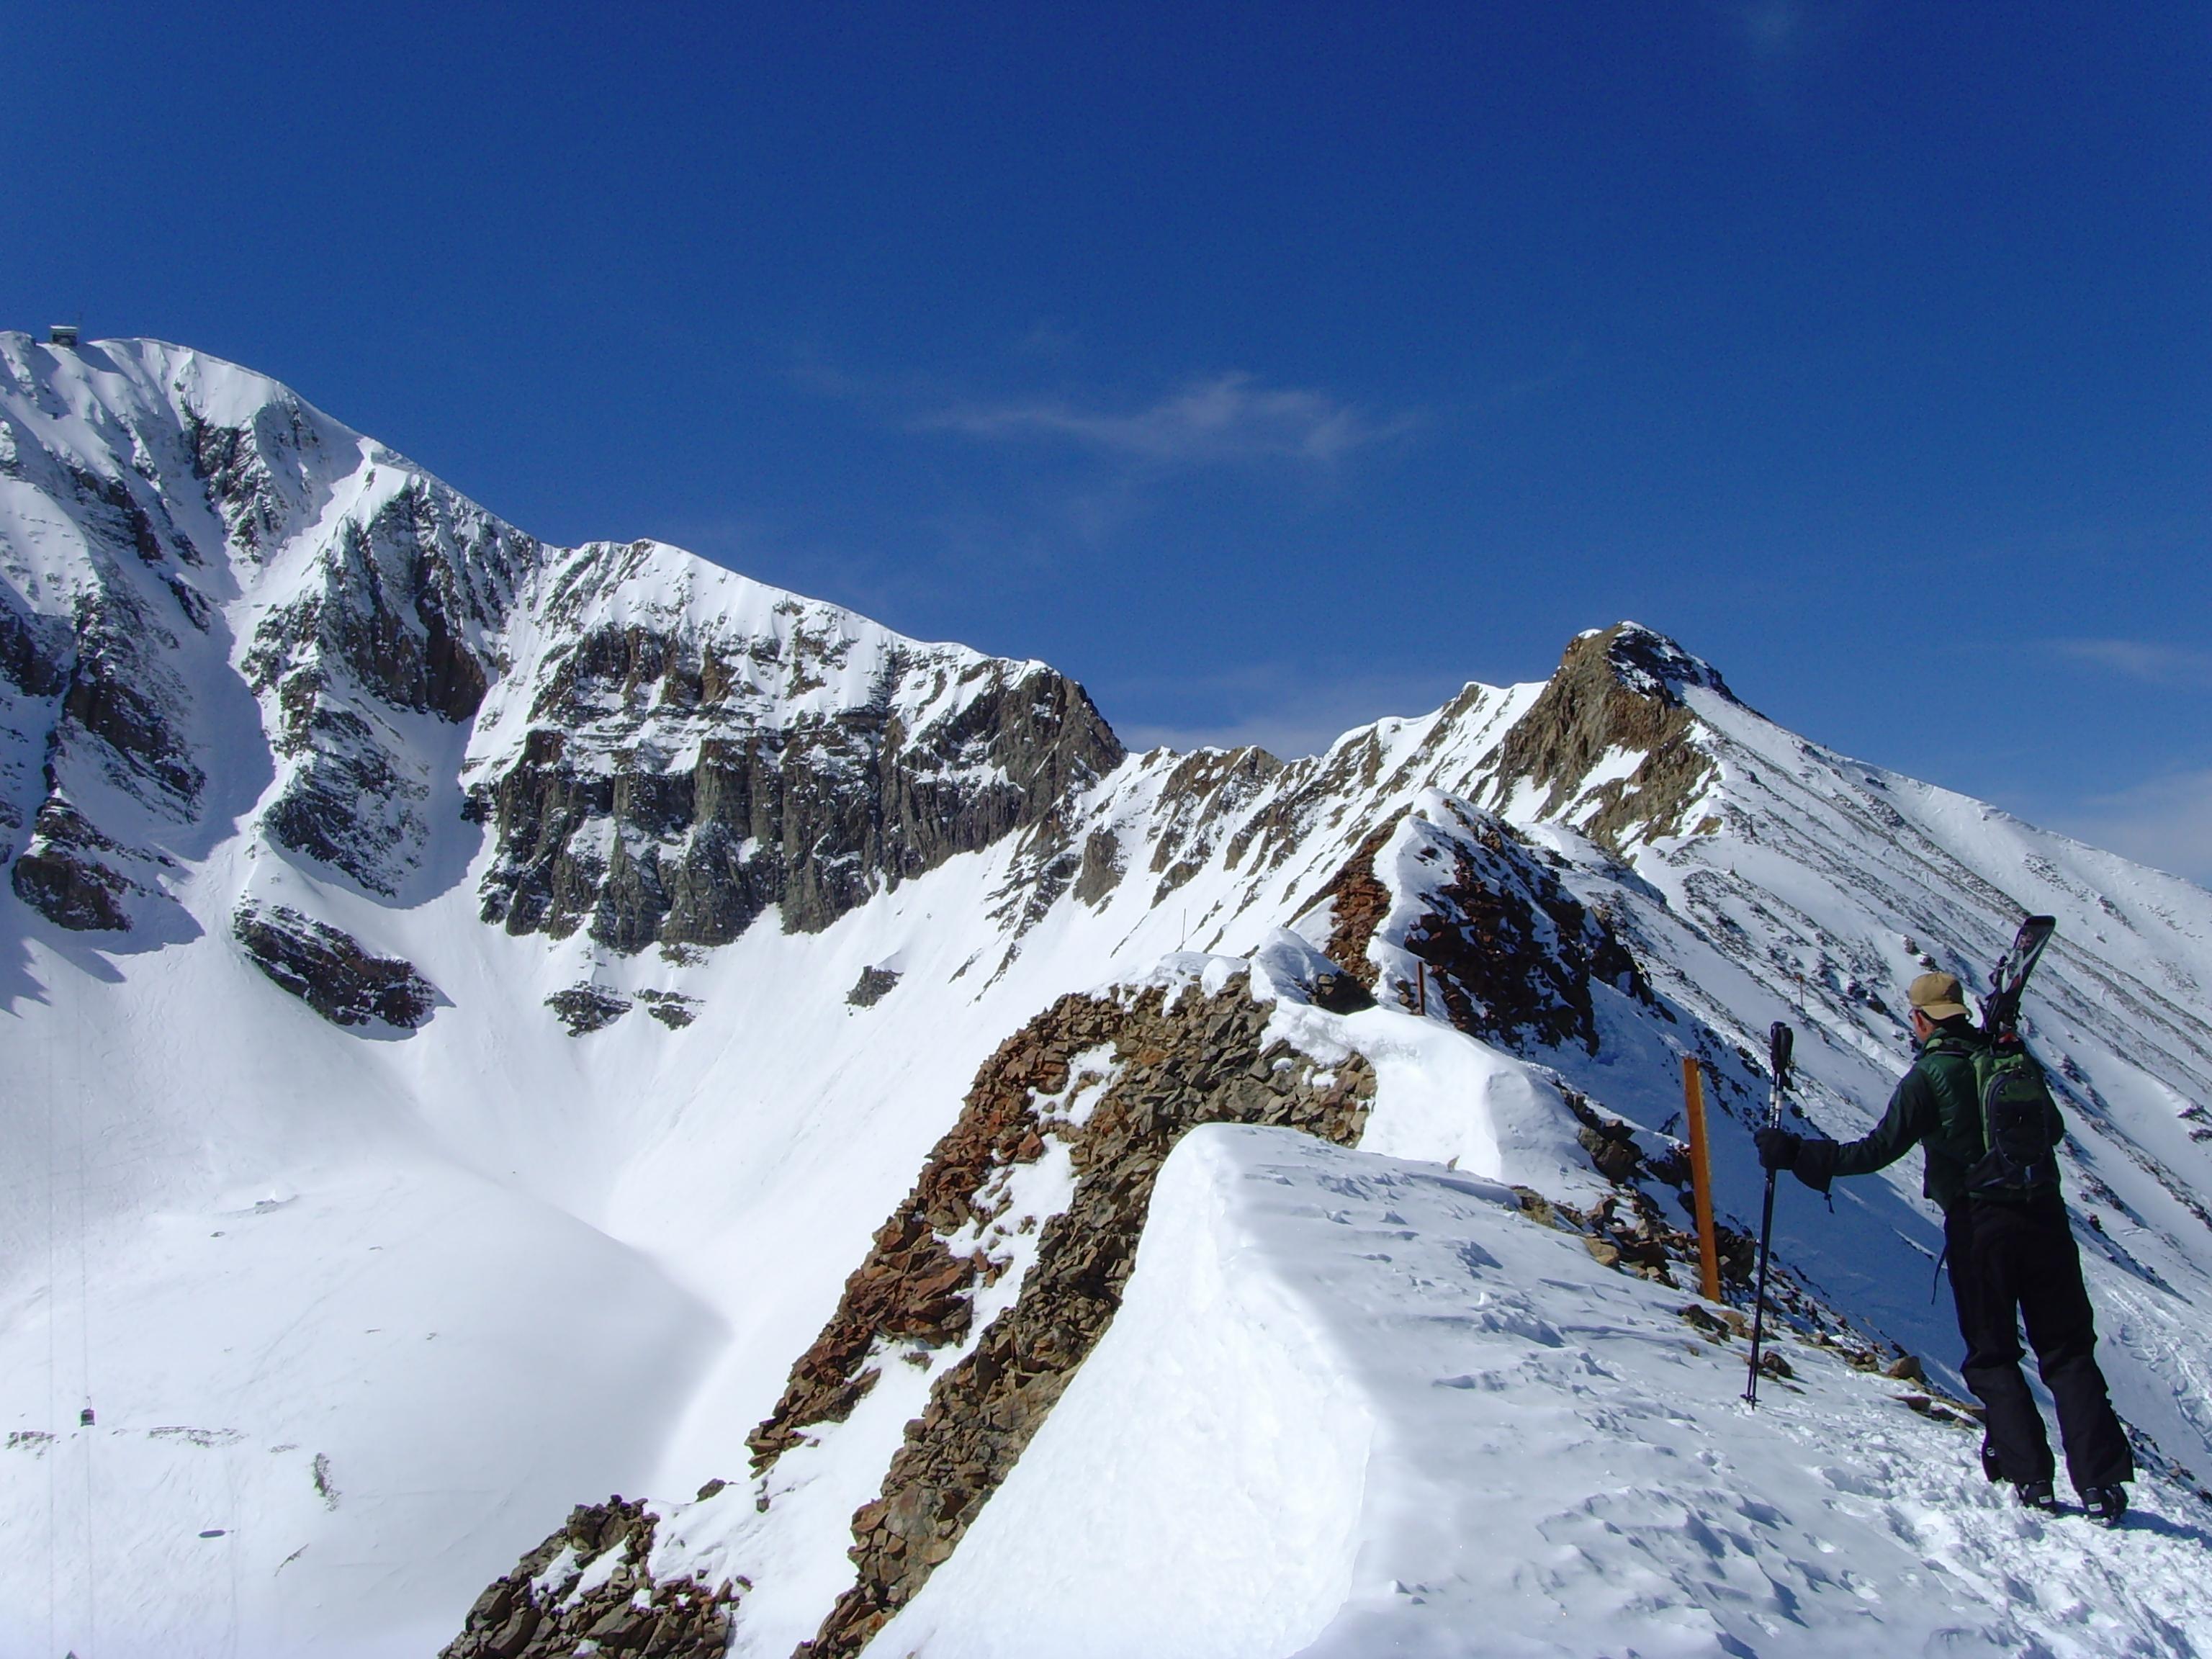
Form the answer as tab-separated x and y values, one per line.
1198	1060
1615	689
529	1614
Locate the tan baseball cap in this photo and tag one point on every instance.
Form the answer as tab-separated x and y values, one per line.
1937	995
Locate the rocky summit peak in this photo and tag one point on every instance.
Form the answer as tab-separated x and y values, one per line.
1610	744
1642	660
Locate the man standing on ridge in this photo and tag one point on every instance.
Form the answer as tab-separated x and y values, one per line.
2012	1256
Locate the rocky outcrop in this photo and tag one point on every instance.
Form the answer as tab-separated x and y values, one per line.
1201	794
1100	868
398	624
123	710
67	873
1508	951
1615	699
587	1008
872	986
1114	1081
114	718
675	780
671	1008
233	464
401	594
587	1590
330	971
1356	902
31	659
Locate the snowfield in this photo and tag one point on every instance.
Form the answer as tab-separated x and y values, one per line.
309	1331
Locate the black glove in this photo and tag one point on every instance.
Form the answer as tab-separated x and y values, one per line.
1777	1149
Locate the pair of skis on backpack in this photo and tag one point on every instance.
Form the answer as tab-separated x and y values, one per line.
2020	1125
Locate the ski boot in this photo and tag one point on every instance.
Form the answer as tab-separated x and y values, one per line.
2038	1495
1992	1471
2105	1504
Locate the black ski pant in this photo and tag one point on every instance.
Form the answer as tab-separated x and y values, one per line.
2016	1262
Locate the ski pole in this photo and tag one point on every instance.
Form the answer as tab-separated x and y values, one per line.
1778	1042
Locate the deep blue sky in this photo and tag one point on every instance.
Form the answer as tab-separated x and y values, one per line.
1269	368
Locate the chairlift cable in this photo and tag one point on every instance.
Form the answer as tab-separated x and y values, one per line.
53	1313
86	1418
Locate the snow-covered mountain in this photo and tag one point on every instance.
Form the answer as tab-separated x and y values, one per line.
491	1025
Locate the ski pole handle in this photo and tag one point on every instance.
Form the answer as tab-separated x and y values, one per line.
1780	1041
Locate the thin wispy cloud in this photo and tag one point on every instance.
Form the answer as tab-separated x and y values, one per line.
1773	28
1778	46
2175	667
1226	418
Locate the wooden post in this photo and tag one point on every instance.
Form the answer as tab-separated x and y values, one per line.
1421	986
1701	1178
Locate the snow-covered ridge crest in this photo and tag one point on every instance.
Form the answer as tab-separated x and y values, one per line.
668	749
409	1289
676	748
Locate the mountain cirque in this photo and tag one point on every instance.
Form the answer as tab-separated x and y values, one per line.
381	934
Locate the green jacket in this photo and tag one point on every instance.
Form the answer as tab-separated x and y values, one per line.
1935	1105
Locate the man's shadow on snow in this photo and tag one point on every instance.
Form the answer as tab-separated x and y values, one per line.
2144	1521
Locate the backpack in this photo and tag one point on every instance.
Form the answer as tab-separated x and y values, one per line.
2020	1125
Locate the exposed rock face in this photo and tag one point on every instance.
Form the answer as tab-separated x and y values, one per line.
115	716
681	769
1357	902
587	1008
256	474
122	707
30	662
1509	951
97	745
542	1610
1203	793
671	1008
1616	693
400	621
62	874
1151	1069
872	986
1102	867
331	972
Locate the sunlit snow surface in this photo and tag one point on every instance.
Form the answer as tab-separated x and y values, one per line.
1355	1406
359	1317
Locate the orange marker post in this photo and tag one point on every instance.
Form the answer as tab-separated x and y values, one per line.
1701	1178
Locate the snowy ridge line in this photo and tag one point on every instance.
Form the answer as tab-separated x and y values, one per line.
251	663
841	1416
401	642
1059	1139
1349	1366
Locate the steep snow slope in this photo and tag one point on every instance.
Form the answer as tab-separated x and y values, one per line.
359	1303
372	1304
